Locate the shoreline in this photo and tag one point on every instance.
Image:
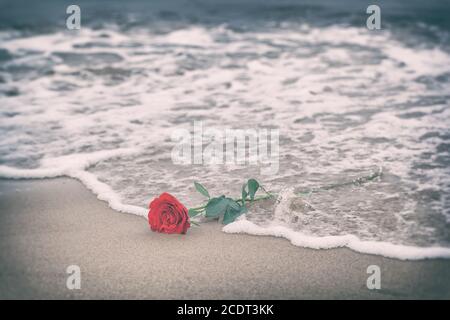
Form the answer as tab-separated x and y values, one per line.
49	224
104	193
381	248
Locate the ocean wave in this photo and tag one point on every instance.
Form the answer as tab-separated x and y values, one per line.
101	106
352	242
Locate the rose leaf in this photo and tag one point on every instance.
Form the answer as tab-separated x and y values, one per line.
216	206
244	193
253	186
231	214
201	189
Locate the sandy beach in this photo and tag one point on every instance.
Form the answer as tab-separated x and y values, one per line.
47	225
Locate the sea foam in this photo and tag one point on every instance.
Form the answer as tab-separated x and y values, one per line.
100	106
352	242
74	166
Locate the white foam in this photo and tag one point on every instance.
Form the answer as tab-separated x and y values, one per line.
352	242
190	36
338	82
75	166
105	193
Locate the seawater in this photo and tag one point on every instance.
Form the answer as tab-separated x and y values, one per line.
100	105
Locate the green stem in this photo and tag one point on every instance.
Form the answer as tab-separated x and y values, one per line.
357	181
269	195
199	208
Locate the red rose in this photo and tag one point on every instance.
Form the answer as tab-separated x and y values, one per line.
168	215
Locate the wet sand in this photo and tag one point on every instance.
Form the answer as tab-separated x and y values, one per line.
47	225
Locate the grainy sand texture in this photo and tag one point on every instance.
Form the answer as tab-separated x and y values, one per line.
47	225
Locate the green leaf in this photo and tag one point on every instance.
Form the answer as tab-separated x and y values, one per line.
253	186
195	223
244	193
231	214
233	204
193	212
216	206
201	189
